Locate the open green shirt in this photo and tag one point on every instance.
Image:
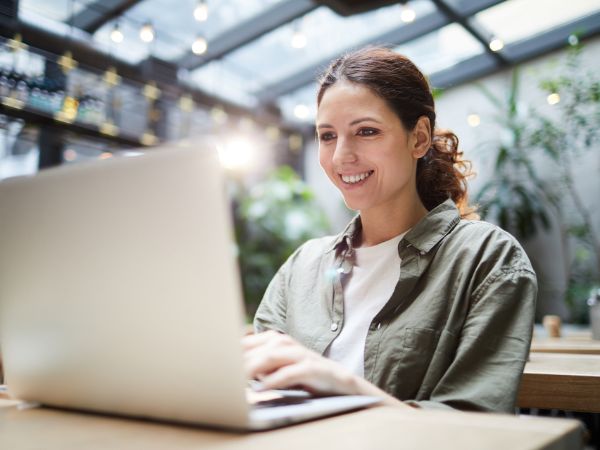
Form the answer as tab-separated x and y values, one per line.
457	328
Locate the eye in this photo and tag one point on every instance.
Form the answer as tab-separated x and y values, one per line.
367	132
327	136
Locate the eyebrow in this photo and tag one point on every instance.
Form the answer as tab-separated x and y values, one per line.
354	122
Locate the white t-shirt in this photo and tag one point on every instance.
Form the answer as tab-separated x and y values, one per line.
367	289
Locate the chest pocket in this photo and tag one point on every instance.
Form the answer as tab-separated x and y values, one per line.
410	361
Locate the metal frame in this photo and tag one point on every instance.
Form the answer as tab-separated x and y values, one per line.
518	52
454	16
398	36
249	30
96	14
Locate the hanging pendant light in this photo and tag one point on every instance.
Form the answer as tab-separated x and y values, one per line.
147	32
116	35
201	11
407	13
200	45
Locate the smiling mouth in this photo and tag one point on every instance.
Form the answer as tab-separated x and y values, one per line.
357	178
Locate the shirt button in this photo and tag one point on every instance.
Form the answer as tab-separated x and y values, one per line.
334	326
423	252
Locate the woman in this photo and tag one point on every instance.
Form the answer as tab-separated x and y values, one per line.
414	301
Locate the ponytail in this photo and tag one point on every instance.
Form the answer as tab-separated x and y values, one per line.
443	174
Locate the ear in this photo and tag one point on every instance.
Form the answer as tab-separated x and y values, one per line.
421	137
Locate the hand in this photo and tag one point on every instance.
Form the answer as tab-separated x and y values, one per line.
280	362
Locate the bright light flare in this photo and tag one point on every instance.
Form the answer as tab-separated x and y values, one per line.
238	154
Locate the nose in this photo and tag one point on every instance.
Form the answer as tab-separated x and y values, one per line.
345	152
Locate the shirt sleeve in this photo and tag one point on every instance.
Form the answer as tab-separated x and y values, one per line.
271	313
493	346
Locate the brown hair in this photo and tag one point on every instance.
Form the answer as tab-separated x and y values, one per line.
441	173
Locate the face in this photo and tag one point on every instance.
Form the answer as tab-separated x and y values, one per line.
365	150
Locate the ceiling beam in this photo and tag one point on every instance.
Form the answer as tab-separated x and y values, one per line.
404	33
94	15
463	21
394	37
229	40
517	52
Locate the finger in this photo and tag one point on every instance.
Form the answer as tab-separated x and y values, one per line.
261	361
255	340
293	376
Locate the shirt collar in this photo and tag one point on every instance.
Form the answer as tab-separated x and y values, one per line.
423	236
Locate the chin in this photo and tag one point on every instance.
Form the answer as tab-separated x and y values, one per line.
353	205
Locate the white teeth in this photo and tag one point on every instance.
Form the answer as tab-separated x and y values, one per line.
356	178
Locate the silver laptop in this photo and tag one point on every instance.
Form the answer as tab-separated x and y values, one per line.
120	293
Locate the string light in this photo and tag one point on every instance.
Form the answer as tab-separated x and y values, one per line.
407	14
496	44
199	46
201	11
116	35
147	32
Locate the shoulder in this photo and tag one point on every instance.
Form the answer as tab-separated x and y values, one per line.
485	243
313	249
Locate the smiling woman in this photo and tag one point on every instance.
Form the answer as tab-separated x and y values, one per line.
415	301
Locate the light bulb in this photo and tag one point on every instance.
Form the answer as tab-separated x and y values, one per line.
147	32
116	35
407	14
496	44
201	11
199	46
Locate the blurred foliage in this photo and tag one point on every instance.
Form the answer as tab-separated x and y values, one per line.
564	138
272	219
515	196
520	200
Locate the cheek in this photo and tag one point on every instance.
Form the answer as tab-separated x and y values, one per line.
324	158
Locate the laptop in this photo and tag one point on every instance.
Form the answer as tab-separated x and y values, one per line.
120	294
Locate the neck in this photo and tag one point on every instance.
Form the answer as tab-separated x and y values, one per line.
383	224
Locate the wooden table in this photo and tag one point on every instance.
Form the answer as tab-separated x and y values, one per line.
569	382
578	342
375	428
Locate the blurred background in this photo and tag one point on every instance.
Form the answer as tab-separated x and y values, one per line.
516	80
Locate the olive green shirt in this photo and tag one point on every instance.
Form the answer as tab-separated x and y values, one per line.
457	328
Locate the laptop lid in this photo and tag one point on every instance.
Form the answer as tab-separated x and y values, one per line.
119	290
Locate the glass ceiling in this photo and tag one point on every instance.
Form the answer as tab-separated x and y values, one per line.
287	59
530	17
